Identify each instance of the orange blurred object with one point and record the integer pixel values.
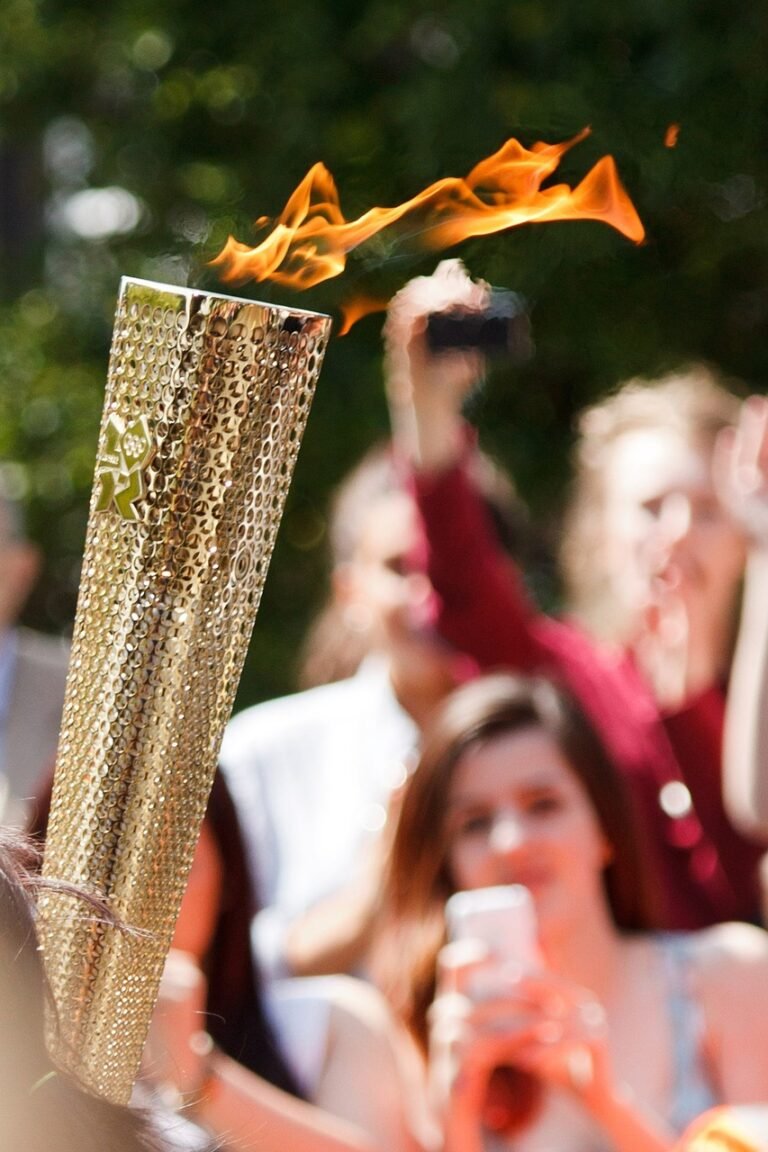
(310, 240)
(727, 1129)
(671, 135)
(357, 307)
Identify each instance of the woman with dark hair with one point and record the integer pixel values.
(620, 1035)
(42, 1107)
(213, 1045)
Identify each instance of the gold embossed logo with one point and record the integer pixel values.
(121, 466)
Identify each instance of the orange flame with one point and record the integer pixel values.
(671, 135)
(310, 240)
(356, 308)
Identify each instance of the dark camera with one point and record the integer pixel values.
(501, 329)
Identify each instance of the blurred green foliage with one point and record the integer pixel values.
(208, 115)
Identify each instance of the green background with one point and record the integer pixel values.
(210, 114)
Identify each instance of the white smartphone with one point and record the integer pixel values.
(503, 917)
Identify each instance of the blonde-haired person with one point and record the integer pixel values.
(642, 455)
(655, 562)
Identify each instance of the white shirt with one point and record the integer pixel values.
(311, 776)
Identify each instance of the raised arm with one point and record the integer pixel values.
(482, 609)
(426, 390)
(743, 467)
(367, 1099)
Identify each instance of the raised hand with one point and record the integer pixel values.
(425, 390)
(741, 468)
(489, 1016)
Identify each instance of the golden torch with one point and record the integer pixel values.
(207, 398)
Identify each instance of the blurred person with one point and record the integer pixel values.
(312, 773)
(618, 1035)
(654, 563)
(42, 1107)
(356, 1095)
(33, 670)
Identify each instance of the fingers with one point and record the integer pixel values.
(480, 1013)
(753, 434)
(740, 467)
(479, 999)
(580, 1066)
(410, 360)
(570, 1051)
(480, 1038)
(458, 961)
(449, 286)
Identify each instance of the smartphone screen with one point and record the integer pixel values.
(503, 918)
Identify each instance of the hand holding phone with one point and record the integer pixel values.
(500, 329)
(502, 917)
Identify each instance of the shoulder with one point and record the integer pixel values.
(364, 1032)
(730, 963)
(371, 1055)
(355, 1000)
(728, 944)
(730, 977)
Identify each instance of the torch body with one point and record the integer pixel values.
(207, 398)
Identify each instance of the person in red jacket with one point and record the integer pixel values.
(656, 564)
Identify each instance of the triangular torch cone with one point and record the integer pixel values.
(207, 399)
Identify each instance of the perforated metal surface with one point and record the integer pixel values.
(207, 398)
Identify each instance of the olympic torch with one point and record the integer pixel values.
(206, 402)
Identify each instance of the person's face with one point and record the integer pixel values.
(396, 602)
(665, 529)
(518, 814)
(395, 606)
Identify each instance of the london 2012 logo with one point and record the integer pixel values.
(122, 464)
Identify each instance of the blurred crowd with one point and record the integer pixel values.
(611, 764)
